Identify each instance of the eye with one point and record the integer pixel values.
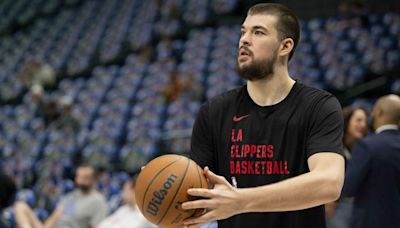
(242, 32)
(258, 33)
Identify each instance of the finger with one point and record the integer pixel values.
(200, 192)
(197, 204)
(214, 178)
(191, 226)
(207, 217)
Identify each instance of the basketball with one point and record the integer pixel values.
(162, 187)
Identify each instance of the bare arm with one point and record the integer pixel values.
(321, 185)
(52, 219)
(25, 217)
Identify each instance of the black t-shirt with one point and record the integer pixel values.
(251, 145)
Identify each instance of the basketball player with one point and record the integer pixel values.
(275, 143)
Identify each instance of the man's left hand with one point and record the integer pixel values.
(223, 201)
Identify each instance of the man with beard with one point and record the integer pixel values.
(272, 148)
(81, 208)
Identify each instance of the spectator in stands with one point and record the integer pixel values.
(338, 213)
(37, 104)
(37, 73)
(7, 193)
(128, 215)
(83, 207)
(47, 109)
(174, 87)
(194, 90)
(66, 121)
(51, 112)
(373, 173)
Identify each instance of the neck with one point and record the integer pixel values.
(271, 90)
(387, 125)
(85, 192)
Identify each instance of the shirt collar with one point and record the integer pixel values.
(386, 127)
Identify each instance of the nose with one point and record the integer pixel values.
(245, 39)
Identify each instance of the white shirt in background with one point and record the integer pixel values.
(126, 217)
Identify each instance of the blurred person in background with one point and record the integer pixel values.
(338, 213)
(66, 121)
(46, 109)
(84, 207)
(7, 193)
(373, 173)
(37, 101)
(36, 72)
(128, 215)
(51, 112)
(175, 87)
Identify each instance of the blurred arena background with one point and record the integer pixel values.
(115, 83)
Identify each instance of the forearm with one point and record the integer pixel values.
(50, 222)
(53, 218)
(319, 186)
(25, 217)
(297, 193)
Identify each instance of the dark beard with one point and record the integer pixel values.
(257, 69)
(84, 188)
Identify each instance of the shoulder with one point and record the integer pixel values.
(97, 196)
(316, 101)
(313, 95)
(225, 98)
(221, 102)
(73, 194)
(383, 137)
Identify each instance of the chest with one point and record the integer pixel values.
(79, 209)
(260, 147)
(287, 125)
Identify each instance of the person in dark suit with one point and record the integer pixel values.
(373, 173)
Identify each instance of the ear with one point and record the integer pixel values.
(286, 47)
(379, 113)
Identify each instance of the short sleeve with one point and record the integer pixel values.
(202, 142)
(100, 211)
(326, 127)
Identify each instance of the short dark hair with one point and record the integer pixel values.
(7, 191)
(288, 25)
(133, 175)
(132, 182)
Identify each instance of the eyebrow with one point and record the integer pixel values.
(257, 27)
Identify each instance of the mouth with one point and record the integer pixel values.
(361, 131)
(244, 54)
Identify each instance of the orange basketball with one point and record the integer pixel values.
(161, 188)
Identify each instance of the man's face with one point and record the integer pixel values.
(258, 47)
(84, 178)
